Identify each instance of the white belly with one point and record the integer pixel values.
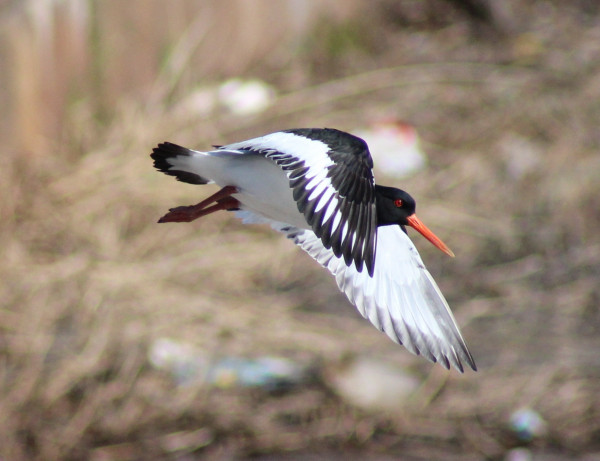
(264, 187)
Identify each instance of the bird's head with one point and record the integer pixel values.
(394, 206)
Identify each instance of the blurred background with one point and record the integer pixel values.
(121, 339)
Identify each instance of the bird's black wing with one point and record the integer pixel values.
(331, 176)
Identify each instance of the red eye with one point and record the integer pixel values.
(398, 202)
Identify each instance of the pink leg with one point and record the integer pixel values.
(190, 213)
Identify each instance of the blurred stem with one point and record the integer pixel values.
(97, 65)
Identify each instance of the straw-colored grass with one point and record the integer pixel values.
(89, 280)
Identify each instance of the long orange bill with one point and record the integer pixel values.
(417, 225)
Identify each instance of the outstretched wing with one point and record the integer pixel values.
(401, 298)
(330, 174)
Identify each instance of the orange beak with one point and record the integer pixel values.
(417, 225)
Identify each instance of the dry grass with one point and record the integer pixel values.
(89, 280)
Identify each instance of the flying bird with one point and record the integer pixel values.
(316, 186)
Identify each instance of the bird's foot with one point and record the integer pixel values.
(192, 212)
(180, 214)
(223, 199)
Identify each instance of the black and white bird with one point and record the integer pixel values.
(316, 185)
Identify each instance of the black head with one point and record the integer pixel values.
(394, 206)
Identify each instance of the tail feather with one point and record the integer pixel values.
(166, 156)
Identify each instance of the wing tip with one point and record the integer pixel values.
(471, 362)
(466, 357)
(453, 358)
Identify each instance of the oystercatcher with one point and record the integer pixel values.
(316, 185)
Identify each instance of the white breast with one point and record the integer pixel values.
(264, 187)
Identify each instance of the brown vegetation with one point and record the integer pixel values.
(509, 116)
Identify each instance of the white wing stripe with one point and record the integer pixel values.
(331, 208)
(336, 221)
(313, 152)
(344, 231)
(327, 200)
(317, 189)
(313, 182)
